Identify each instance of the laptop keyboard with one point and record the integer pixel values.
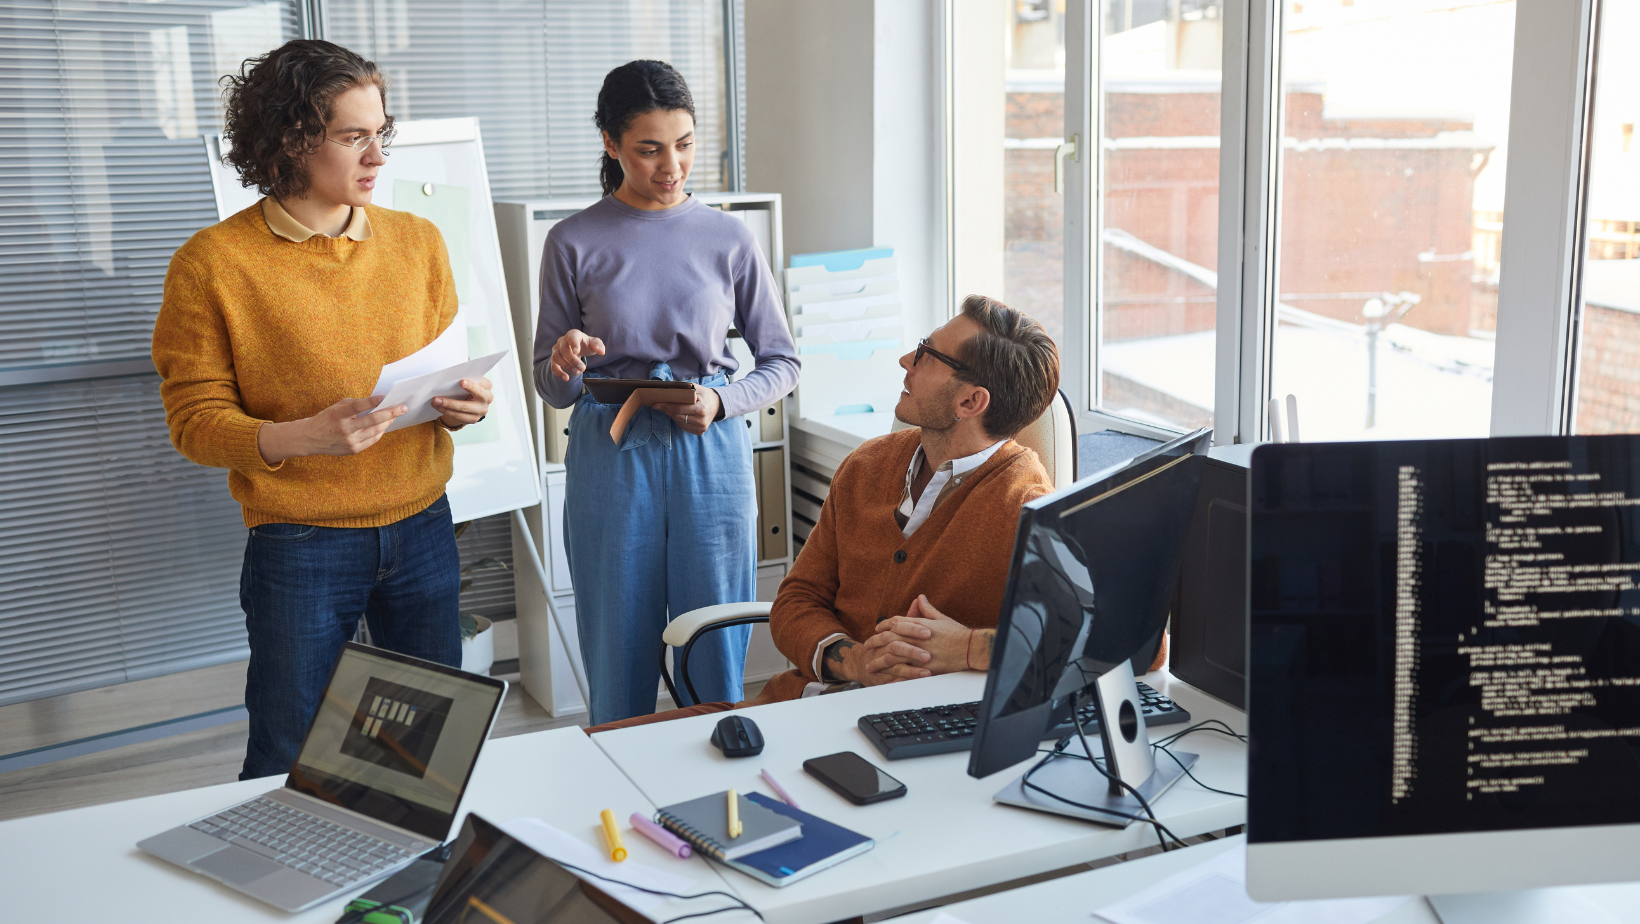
(305, 842)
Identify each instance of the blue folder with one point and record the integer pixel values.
(822, 845)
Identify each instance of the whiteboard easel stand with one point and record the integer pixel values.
(552, 609)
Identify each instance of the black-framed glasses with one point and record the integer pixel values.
(360, 145)
(923, 347)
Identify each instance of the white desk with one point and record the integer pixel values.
(84, 863)
(946, 835)
(1075, 898)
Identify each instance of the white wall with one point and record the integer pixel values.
(842, 119)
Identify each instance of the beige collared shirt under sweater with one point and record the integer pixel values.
(281, 223)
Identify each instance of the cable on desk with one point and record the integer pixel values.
(1162, 831)
(738, 903)
(1207, 725)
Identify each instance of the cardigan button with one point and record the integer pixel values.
(899, 557)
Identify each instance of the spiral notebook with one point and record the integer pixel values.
(822, 846)
(704, 823)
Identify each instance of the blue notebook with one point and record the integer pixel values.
(822, 845)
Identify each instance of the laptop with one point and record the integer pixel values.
(376, 784)
(492, 878)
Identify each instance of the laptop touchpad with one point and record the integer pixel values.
(237, 866)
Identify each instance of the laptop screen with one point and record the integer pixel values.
(396, 738)
(491, 878)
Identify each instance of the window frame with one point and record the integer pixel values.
(1539, 322)
(1539, 298)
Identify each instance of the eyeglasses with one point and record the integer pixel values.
(923, 347)
(385, 137)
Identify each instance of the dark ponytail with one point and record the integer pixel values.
(629, 91)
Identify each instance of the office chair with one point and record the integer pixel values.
(1052, 437)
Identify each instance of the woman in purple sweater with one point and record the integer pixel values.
(647, 284)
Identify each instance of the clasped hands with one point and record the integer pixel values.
(921, 643)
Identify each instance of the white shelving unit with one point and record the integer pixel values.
(543, 662)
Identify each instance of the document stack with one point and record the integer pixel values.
(845, 309)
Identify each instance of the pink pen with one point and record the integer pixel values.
(779, 790)
(669, 842)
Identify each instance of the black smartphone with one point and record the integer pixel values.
(854, 778)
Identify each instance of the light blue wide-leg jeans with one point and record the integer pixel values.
(662, 524)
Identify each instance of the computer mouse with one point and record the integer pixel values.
(737, 736)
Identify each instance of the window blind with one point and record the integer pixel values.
(102, 173)
(119, 559)
(530, 73)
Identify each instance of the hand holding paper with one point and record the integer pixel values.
(418, 393)
(434, 371)
(348, 427)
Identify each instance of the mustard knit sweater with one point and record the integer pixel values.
(255, 328)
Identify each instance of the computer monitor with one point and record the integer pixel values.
(1087, 599)
(1444, 676)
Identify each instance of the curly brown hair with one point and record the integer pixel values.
(277, 107)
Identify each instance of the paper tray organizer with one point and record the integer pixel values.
(846, 317)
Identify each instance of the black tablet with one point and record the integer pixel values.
(616, 391)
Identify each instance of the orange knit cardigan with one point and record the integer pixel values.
(857, 567)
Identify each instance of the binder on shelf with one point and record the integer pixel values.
(771, 503)
(772, 422)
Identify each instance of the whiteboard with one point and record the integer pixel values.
(436, 169)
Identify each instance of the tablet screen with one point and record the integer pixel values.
(492, 878)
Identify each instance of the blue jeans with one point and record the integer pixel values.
(303, 589)
(662, 524)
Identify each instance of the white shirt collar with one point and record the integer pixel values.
(952, 472)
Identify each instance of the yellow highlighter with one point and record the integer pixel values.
(734, 813)
(612, 836)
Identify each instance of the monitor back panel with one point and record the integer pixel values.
(1210, 610)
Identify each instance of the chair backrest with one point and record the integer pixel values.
(1052, 437)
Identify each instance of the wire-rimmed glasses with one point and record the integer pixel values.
(359, 145)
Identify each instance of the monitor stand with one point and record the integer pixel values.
(1125, 746)
(1533, 906)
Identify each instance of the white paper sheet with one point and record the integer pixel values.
(446, 350)
(1216, 893)
(418, 393)
(565, 848)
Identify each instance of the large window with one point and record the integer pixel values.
(1158, 209)
(1153, 195)
(1608, 389)
(1391, 203)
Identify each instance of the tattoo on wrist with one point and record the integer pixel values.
(834, 656)
(983, 645)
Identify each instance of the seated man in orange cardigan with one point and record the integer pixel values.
(903, 575)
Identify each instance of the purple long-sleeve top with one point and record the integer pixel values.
(663, 286)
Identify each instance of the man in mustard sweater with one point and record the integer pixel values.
(274, 327)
